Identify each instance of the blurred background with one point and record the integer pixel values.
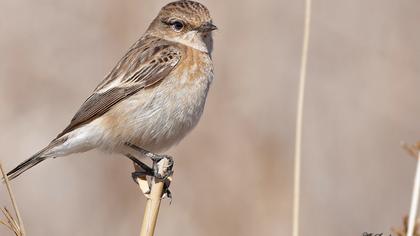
(234, 172)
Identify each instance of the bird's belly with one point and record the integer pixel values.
(156, 118)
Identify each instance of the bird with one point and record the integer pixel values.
(152, 98)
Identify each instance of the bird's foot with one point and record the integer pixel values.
(163, 166)
(162, 169)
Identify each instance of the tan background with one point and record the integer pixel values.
(234, 172)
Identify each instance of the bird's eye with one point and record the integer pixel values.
(177, 26)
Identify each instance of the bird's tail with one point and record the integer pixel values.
(29, 163)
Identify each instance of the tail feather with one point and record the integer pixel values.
(26, 165)
(36, 159)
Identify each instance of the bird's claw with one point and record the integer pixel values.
(163, 166)
(161, 169)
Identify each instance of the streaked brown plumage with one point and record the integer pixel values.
(153, 97)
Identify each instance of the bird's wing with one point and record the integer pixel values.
(147, 62)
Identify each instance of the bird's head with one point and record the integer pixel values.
(186, 22)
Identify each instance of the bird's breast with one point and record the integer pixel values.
(159, 117)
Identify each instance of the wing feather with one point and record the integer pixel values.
(147, 62)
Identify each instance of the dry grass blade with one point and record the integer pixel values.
(11, 222)
(7, 226)
(403, 231)
(299, 119)
(414, 150)
(15, 225)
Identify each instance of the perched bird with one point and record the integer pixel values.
(152, 98)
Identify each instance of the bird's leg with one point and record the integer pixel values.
(145, 170)
(139, 163)
(162, 168)
(140, 175)
(161, 171)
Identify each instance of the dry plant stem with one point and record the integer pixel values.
(152, 208)
(299, 118)
(11, 224)
(12, 198)
(414, 200)
(151, 211)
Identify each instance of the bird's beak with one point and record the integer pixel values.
(207, 27)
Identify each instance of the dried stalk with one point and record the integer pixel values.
(414, 150)
(154, 198)
(299, 118)
(151, 210)
(403, 230)
(16, 226)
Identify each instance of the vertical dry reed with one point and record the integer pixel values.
(299, 118)
(414, 199)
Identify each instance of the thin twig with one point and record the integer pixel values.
(11, 222)
(8, 226)
(299, 118)
(19, 222)
(414, 199)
